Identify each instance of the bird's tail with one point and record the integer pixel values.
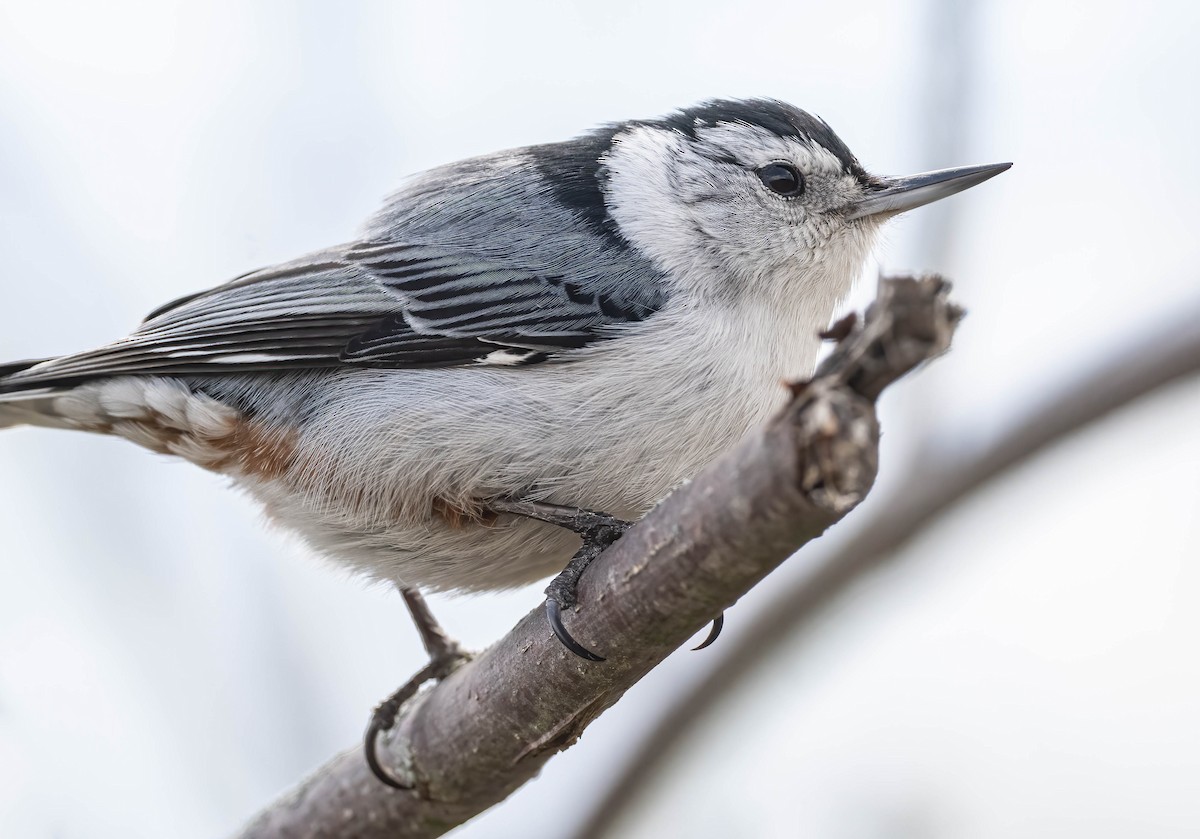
(27, 406)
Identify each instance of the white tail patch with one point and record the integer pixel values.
(162, 415)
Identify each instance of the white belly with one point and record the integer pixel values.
(614, 431)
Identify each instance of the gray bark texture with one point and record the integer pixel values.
(473, 739)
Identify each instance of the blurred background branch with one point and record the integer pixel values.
(1166, 353)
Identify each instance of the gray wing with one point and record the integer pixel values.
(374, 304)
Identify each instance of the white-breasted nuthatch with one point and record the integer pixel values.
(582, 324)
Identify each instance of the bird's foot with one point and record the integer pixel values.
(384, 715)
(598, 531)
(445, 656)
(563, 591)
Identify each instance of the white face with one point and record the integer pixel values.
(701, 210)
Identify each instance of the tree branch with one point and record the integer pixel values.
(489, 727)
(1167, 353)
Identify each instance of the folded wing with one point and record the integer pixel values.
(375, 304)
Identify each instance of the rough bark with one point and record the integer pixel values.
(489, 727)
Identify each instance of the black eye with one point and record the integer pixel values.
(782, 179)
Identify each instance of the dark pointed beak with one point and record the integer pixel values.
(895, 195)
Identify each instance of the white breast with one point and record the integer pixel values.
(613, 431)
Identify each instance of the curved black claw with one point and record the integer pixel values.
(562, 593)
(714, 633)
(384, 718)
(554, 617)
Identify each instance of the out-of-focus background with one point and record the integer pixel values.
(168, 665)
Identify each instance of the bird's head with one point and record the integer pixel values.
(732, 195)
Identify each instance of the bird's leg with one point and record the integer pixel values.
(439, 645)
(598, 531)
(445, 656)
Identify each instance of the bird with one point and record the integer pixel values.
(519, 349)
